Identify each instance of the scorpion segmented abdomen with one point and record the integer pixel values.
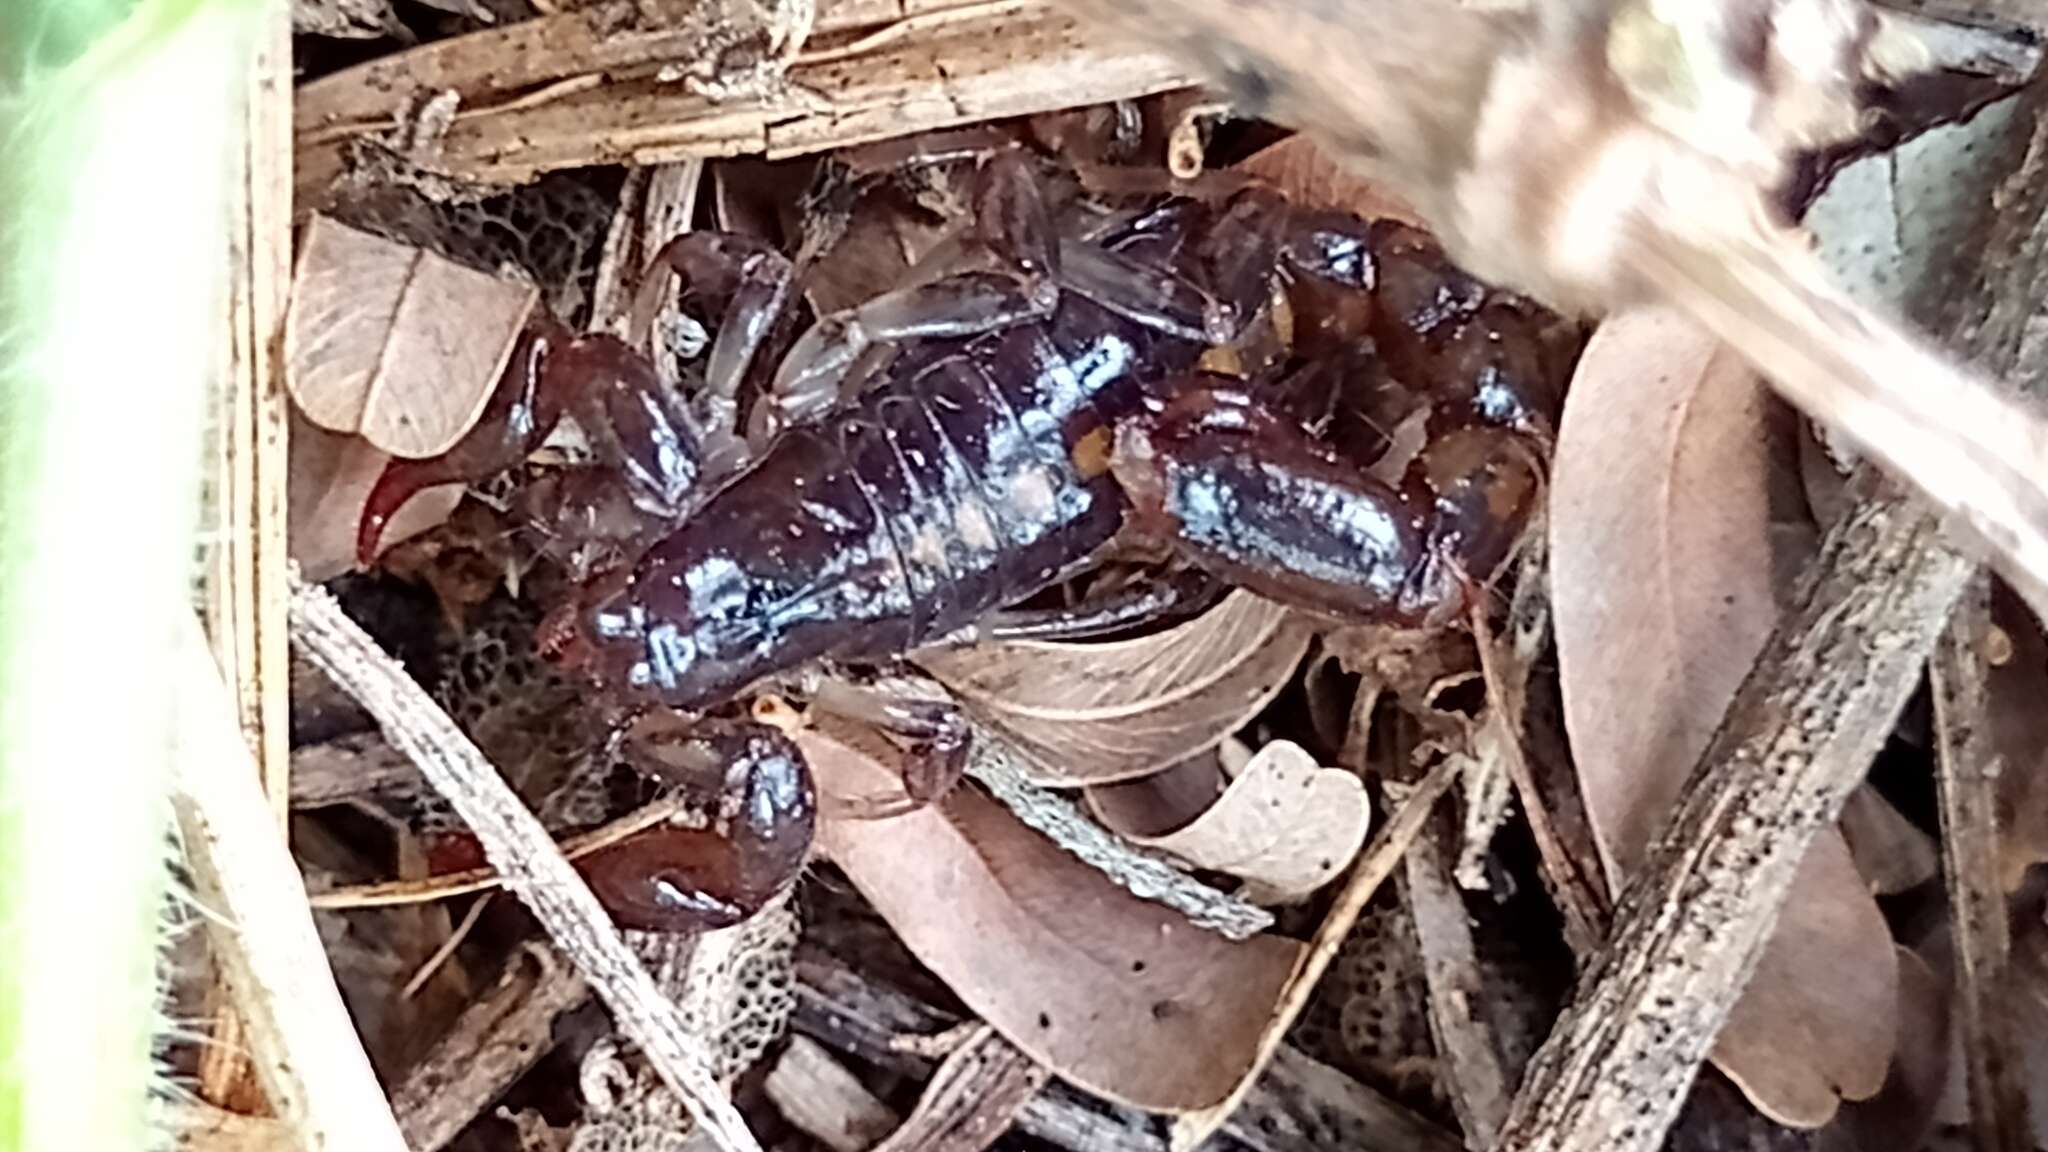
(786, 564)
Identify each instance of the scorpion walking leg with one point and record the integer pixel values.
(754, 282)
(1011, 221)
(1135, 605)
(935, 729)
(964, 305)
(1209, 303)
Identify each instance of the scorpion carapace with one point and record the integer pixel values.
(1313, 406)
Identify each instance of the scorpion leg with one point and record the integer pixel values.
(1135, 605)
(1229, 280)
(1011, 221)
(936, 731)
(752, 280)
(966, 304)
(1255, 499)
(760, 815)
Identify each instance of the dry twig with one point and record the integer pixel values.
(1299, 1105)
(494, 1042)
(1476, 1067)
(1967, 767)
(971, 1099)
(815, 1092)
(870, 71)
(520, 848)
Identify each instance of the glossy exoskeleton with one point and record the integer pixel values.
(1050, 384)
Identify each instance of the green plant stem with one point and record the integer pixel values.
(117, 119)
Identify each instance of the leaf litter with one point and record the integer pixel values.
(1233, 762)
(1662, 549)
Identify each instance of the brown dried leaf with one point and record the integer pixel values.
(394, 342)
(1664, 590)
(1299, 167)
(1891, 852)
(1903, 1114)
(1098, 713)
(331, 476)
(1286, 824)
(1116, 994)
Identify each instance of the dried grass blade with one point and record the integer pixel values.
(516, 843)
(247, 586)
(305, 1048)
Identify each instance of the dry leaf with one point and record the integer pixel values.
(1286, 825)
(331, 477)
(1098, 713)
(1903, 1114)
(1300, 169)
(1115, 994)
(394, 342)
(1891, 852)
(1664, 590)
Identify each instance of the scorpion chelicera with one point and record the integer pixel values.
(1305, 404)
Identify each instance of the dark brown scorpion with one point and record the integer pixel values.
(957, 445)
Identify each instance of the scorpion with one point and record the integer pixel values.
(1305, 404)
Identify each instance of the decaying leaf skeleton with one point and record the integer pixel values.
(1309, 405)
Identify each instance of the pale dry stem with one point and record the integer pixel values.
(246, 585)
(299, 1036)
(519, 846)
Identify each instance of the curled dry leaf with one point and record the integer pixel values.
(1891, 852)
(331, 477)
(1117, 995)
(1299, 167)
(1286, 824)
(1098, 713)
(1663, 583)
(393, 342)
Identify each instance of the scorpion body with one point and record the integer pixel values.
(1368, 449)
(969, 472)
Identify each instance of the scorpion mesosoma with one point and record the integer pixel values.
(957, 445)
